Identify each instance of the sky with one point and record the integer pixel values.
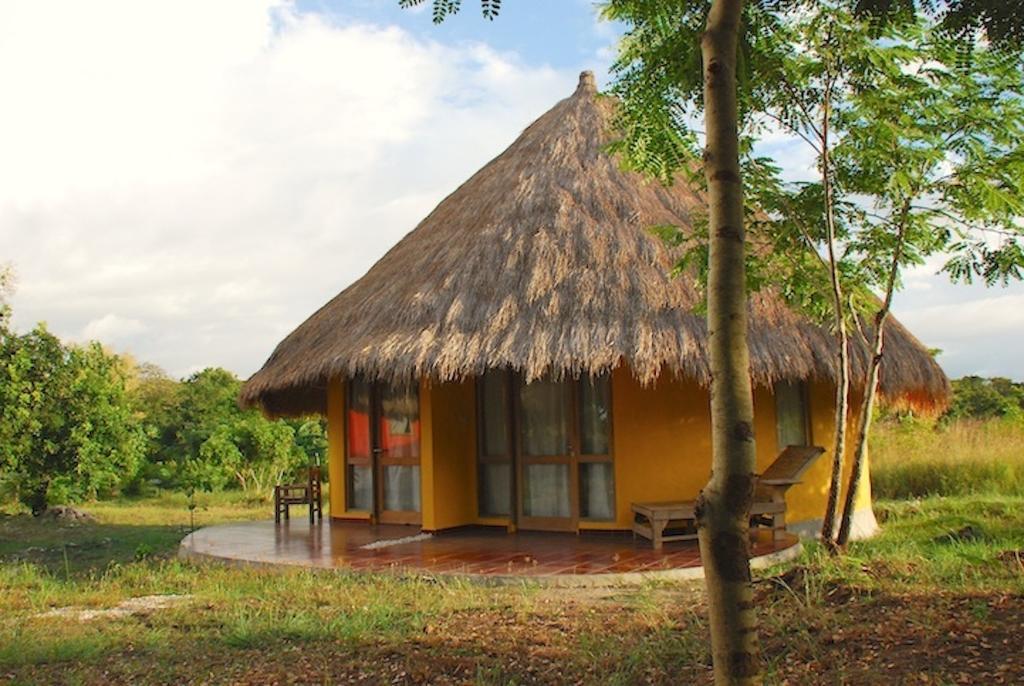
(188, 181)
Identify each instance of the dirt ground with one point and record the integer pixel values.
(607, 636)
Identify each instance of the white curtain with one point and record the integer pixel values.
(402, 488)
(547, 490)
(496, 489)
(596, 490)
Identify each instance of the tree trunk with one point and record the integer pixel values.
(867, 408)
(724, 504)
(843, 339)
(37, 497)
(828, 524)
(866, 411)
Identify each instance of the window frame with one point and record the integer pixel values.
(803, 393)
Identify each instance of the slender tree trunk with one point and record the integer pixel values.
(724, 504)
(842, 338)
(871, 388)
(866, 411)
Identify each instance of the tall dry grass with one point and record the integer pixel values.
(912, 459)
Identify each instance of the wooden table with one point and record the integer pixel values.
(651, 519)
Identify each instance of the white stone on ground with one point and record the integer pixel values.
(140, 605)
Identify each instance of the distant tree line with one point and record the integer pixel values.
(79, 423)
(975, 397)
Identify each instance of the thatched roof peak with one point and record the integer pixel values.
(587, 83)
(542, 261)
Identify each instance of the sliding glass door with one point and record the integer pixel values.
(594, 464)
(554, 437)
(496, 454)
(547, 488)
(383, 451)
(398, 454)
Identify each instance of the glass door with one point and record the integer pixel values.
(382, 456)
(547, 487)
(359, 443)
(495, 451)
(595, 465)
(398, 454)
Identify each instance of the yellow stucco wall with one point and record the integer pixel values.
(661, 441)
(661, 438)
(336, 445)
(449, 474)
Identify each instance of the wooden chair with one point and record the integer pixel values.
(651, 520)
(309, 493)
(769, 507)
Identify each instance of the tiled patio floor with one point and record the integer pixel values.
(477, 552)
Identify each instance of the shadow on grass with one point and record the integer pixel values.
(79, 549)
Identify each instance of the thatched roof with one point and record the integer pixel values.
(543, 261)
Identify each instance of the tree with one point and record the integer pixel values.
(6, 290)
(64, 423)
(154, 397)
(819, 56)
(938, 149)
(8, 396)
(217, 444)
(724, 504)
(977, 398)
(808, 70)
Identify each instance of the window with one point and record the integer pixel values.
(359, 451)
(596, 469)
(791, 414)
(495, 449)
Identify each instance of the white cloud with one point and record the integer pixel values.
(190, 180)
(979, 318)
(112, 328)
(977, 329)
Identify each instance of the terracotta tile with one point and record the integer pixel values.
(469, 551)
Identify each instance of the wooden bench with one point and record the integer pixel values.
(650, 520)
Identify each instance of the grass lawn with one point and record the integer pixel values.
(916, 459)
(914, 605)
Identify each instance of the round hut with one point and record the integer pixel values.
(524, 357)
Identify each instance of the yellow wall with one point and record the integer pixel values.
(662, 439)
(336, 445)
(449, 473)
(661, 442)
